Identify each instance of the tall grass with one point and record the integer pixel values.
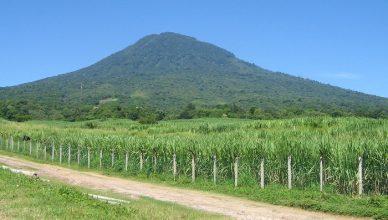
(339, 141)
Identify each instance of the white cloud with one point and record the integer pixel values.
(348, 76)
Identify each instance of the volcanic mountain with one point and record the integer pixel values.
(167, 71)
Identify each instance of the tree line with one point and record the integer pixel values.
(25, 110)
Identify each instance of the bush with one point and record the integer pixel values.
(148, 119)
(91, 125)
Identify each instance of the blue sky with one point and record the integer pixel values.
(344, 43)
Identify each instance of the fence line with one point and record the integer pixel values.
(9, 145)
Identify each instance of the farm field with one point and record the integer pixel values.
(22, 197)
(228, 156)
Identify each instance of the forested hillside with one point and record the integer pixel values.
(176, 76)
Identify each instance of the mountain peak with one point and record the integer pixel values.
(168, 70)
(177, 43)
(173, 34)
(171, 51)
(166, 36)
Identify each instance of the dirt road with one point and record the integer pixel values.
(226, 205)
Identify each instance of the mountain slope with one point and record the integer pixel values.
(167, 71)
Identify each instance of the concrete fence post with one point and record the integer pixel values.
(69, 155)
(193, 168)
(52, 152)
(60, 154)
(360, 179)
(289, 173)
(262, 173)
(113, 158)
(126, 160)
(155, 162)
(78, 156)
(141, 161)
(236, 172)
(214, 169)
(30, 147)
(88, 157)
(11, 143)
(101, 158)
(321, 174)
(174, 166)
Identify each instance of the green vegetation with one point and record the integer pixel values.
(150, 149)
(161, 74)
(26, 198)
(338, 141)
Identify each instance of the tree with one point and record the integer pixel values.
(189, 112)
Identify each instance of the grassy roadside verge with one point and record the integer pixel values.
(22, 197)
(310, 199)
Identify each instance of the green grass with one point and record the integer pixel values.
(375, 206)
(25, 198)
